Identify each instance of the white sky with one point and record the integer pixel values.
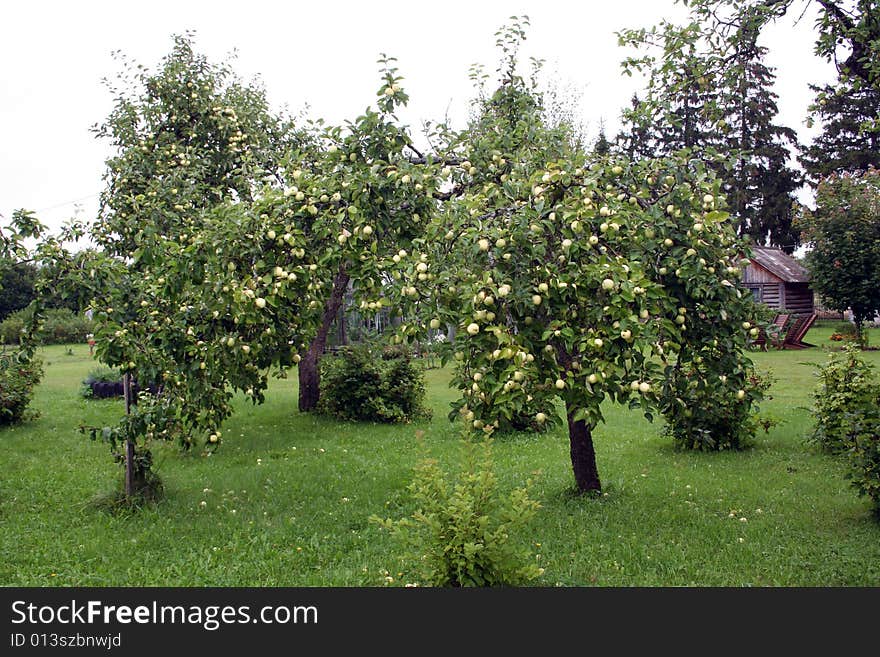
(321, 54)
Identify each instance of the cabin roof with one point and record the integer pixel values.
(780, 264)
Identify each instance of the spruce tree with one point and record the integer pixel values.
(847, 141)
(715, 99)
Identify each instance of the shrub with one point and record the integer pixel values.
(18, 378)
(864, 454)
(848, 419)
(703, 415)
(366, 383)
(845, 390)
(461, 532)
(58, 326)
(12, 327)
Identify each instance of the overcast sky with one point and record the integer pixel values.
(316, 54)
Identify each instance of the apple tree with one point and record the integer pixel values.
(180, 285)
(228, 238)
(579, 278)
(358, 200)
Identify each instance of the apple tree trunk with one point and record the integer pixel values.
(309, 374)
(583, 455)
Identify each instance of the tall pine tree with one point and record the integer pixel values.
(760, 184)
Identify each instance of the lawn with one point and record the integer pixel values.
(286, 500)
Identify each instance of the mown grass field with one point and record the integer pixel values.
(286, 500)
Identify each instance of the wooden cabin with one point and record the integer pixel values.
(779, 281)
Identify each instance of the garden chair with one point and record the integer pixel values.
(776, 331)
(773, 333)
(794, 337)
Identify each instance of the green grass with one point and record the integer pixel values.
(286, 500)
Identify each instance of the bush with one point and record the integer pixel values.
(703, 415)
(846, 388)
(17, 381)
(12, 327)
(59, 326)
(864, 455)
(370, 384)
(460, 533)
(848, 419)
